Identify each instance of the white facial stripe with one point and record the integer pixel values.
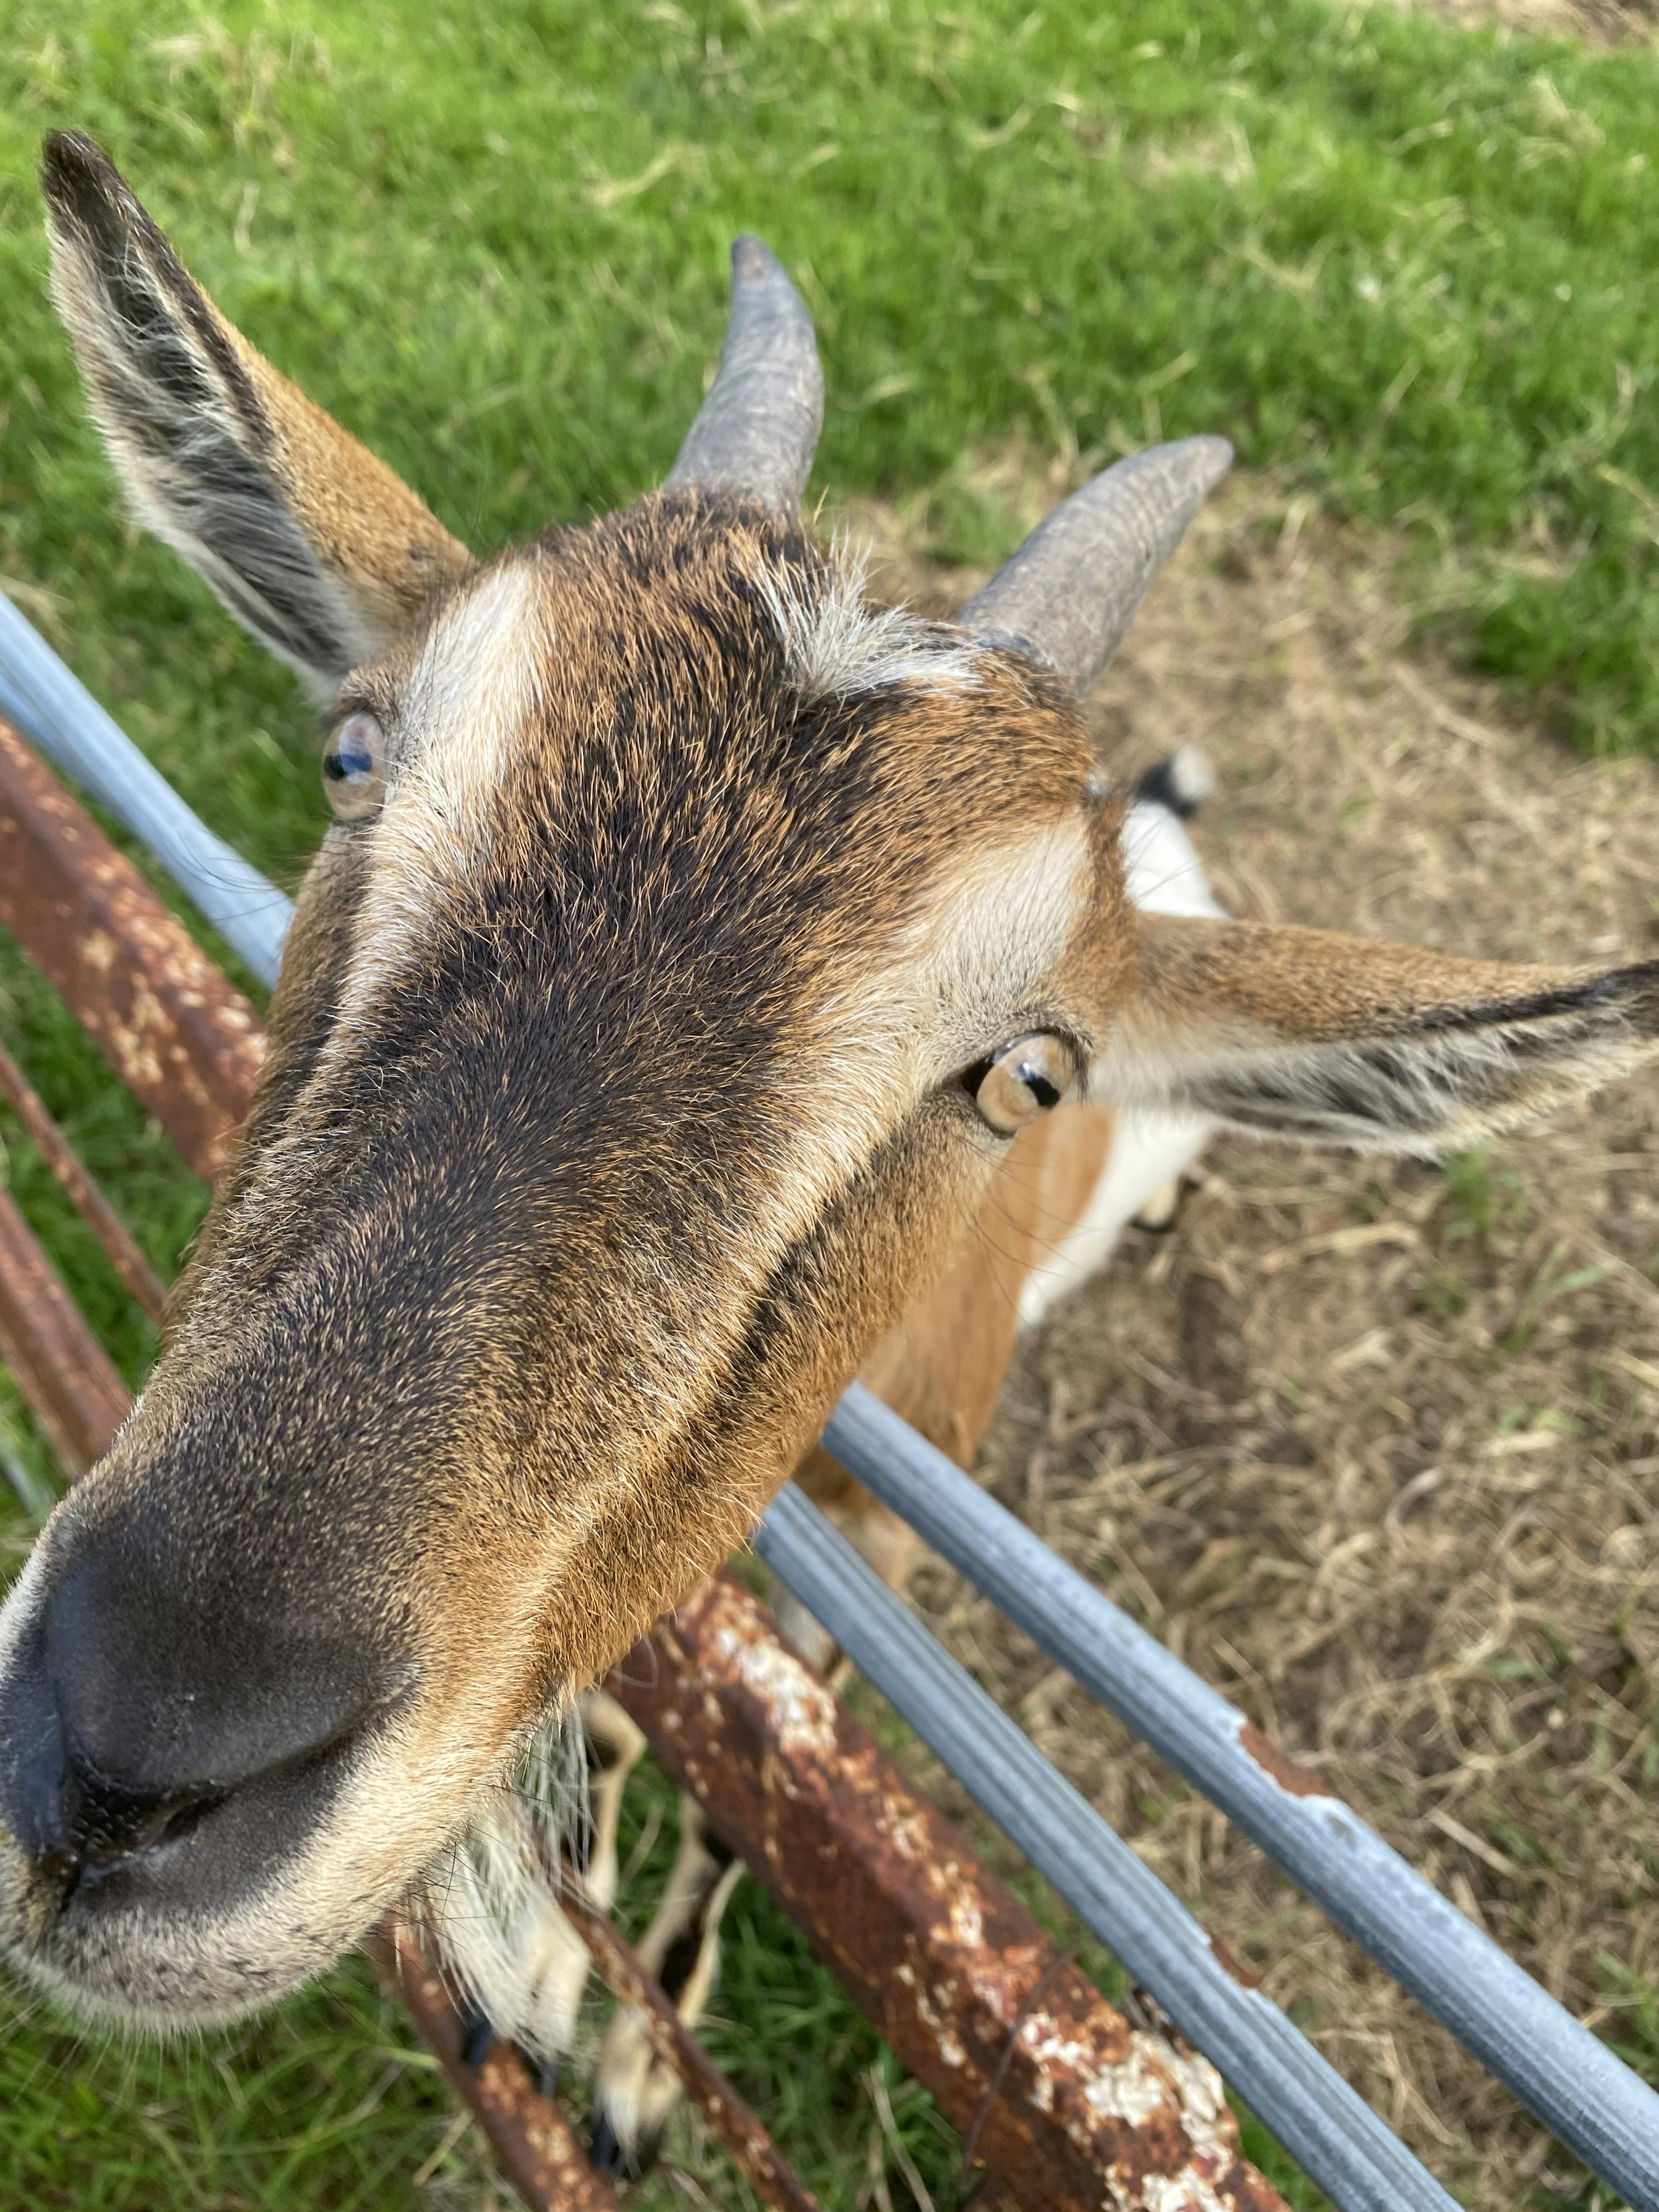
(472, 689)
(1001, 925)
(978, 957)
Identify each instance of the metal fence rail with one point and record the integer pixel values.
(1586, 2096)
(1333, 2133)
(58, 713)
(1591, 2101)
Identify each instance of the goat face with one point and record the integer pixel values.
(616, 1100)
(638, 1055)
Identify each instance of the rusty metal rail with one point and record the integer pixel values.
(186, 1043)
(1047, 2081)
(48, 701)
(89, 1202)
(539, 2151)
(1323, 2121)
(1587, 2097)
(1066, 2106)
(752, 2150)
(64, 1373)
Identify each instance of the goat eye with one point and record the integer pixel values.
(1024, 1081)
(354, 768)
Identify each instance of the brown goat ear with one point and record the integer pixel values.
(307, 539)
(1306, 1035)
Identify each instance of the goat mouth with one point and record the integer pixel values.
(113, 1957)
(118, 1976)
(209, 1919)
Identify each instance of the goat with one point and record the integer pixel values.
(700, 959)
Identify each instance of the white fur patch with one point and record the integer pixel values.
(1165, 875)
(1161, 861)
(976, 958)
(837, 644)
(494, 1908)
(472, 690)
(1147, 1150)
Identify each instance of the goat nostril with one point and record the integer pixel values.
(58, 1866)
(97, 1827)
(73, 1821)
(122, 1829)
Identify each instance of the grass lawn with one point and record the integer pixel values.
(1410, 265)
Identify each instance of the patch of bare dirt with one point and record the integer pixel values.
(1593, 22)
(1372, 1445)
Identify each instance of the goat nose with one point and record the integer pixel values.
(33, 1765)
(67, 1817)
(154, 1706)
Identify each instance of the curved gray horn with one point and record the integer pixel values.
(759, 426)
(1070, 592)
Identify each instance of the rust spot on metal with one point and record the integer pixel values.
(1229, 1963)
(1294, 1779)
(938, 1955)
(539, 2151)
(64, 1374)
(752, 2148)
(182, 1040)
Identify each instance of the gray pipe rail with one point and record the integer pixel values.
(1326, 2127)
(61, 718)
(1587, 2097)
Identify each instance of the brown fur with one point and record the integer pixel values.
(375, 535)
(942, 1367)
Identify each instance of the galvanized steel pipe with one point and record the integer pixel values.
(57, 712)
(1587, 2097)
(1325, 2125)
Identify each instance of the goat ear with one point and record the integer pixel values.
(307, 539)
(1301, 1034)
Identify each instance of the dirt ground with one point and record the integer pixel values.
(1373, 1445)
(1595, 22)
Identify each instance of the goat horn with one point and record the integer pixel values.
(758, 428)
(1070, 592)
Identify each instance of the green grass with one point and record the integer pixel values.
(331, 2102)
(1409, 266)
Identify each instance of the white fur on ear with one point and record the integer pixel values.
(188, 452)
(1301, 1035)
(309, 540)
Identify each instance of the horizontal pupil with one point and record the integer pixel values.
(342, 767)
(1040, 1087)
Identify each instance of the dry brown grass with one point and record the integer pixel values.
(1373, 1445)
(1594, 22)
